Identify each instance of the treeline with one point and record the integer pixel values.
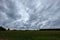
(57, 29)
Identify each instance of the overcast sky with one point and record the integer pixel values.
(30, 14)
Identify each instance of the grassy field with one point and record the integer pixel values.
(29, 35)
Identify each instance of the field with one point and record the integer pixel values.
(29, 35)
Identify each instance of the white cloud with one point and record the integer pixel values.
(29, 14)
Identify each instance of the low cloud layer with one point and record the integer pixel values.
(30, 14)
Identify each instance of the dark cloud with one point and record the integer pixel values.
(30, 14)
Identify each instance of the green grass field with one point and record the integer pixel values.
(29, 35)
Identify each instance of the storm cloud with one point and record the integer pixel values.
(30, 14)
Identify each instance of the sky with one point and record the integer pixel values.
(30, 14)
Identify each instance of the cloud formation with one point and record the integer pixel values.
(30, 14)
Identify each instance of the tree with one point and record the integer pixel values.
(2, 29)
(8, 29)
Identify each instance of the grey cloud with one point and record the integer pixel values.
(30, 14)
